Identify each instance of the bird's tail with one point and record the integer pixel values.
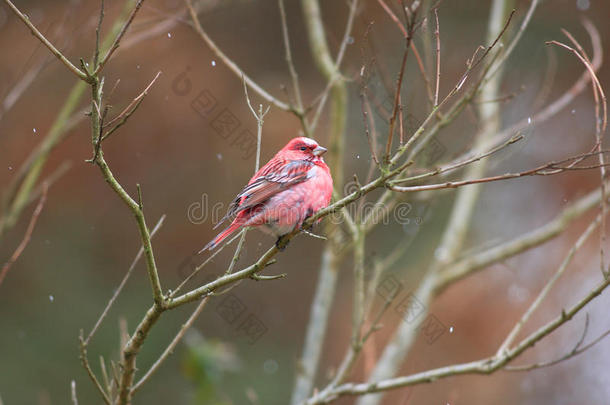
(221, 236)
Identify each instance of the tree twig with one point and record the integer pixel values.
(438, 58)
(487, 365)
(73, 392)
(293, 72)
(117, 40)
(463, 267)
(508, 341)
(170, 348)
(232, 65)
(27, 236)
(600, 128)
(79, 73)
(129, 110)
(118, 290)
(550, 168)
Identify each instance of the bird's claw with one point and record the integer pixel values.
(281, 243)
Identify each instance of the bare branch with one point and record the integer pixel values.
(524, 24)
(118, 290)
(544, 292)
(463, 267)
(73, 393)
(233, 66)
(547, 169)
(454, 233)
(117, 40)
(316, 327)
(98, 29)
(334, 78)
(600, 128)
(438, 58)
(396, 105)
(484, 366)
(170, 348)
(28, 234)
(129, 110)
(454, 166)
(553, 108)
(293, 72)
(578, 349)
(79, 73)
(85, 362)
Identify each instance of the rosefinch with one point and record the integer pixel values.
(292, 186)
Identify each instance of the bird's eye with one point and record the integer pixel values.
(303, 148)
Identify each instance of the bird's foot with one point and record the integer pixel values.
(281, 243)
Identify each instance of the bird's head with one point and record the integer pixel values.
(303, 148)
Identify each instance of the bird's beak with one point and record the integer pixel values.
(319, 151)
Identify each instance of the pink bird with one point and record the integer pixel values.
(292, 186)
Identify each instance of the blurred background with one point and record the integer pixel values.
(189, 169)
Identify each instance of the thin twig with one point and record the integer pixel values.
(237, 254)
(484, 366)
(107, 381)
(85, 362)
(73, 392)
(454, 166)
(129, 110)
(293, 72)
(473, 63)
(321, 305)
(397, 91)
(118, 290)
(98, 29)
(481, 260)
(576, 351)
(547, 169)
(359, 287)
(438, 58)
(392, 16)
(336, 76)
(232, 65)
(28, 234)
(544, 292)
(202, 265)
(170, 348)
(416, 54)
(600, 128)
(553, 108)
(524, 24)
(79, 73)
(368, 121)
(119, 37)
(19, 190)
(454, 233)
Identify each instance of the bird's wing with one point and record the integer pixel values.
(274, 177)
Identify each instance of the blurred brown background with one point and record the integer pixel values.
(86, 239)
